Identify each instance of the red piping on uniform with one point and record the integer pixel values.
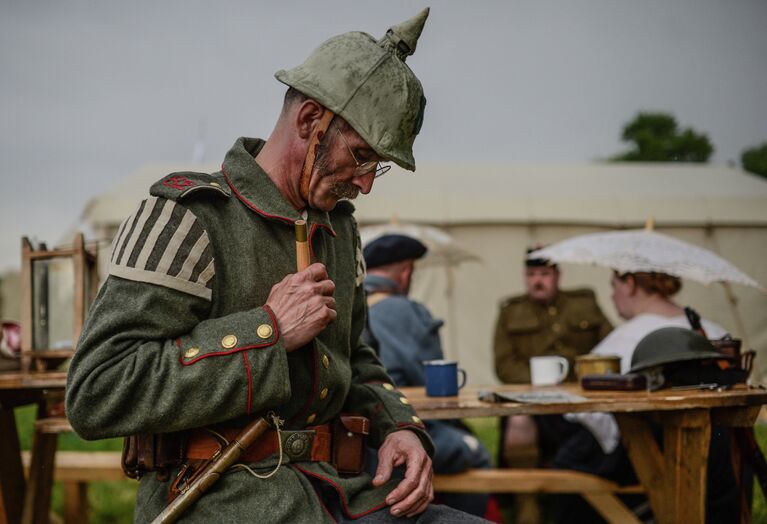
(249, 204)
(222, 353)
(237, 350)
(250, 379)
(311, 246)
(329, 229)
(403, 425)
(311, 234)
(340, 494)
(322, 502)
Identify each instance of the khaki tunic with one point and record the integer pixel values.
(179, 338)
(572, 325)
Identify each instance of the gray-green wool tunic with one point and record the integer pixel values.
(172, 341)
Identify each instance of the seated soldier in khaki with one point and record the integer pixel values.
(544, 321)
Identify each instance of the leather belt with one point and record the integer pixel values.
(311, 444)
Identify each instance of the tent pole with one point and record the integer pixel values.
(733, 301)
(451, 329)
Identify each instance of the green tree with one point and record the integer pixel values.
(656, 137)
(754, 159)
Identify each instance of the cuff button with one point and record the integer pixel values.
(191, 352)
(264, 331)
(229, 341)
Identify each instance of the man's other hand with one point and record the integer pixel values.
(303, 304)
(415, 492)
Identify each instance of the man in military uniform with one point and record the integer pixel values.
(406, 335)
(544, 321)
(203, 323)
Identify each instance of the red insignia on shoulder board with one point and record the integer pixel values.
(178, 182)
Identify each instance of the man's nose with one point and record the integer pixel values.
(364, 182)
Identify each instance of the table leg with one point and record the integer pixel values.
(686, 441)
(37, 501)
(675, 479)
(646, 458)
(12, 484)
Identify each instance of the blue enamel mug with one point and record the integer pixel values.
(442, 378)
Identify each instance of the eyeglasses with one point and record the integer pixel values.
(364, 168)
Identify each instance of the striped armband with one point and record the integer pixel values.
(163, 243)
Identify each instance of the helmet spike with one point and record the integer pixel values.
(402, 39)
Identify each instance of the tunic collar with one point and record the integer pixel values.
(255, 189)
(381, 284)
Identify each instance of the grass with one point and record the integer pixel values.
(112, 502)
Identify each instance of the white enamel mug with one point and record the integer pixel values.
(549, 370)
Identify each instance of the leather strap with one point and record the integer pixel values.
(311, 153)
(202, 445)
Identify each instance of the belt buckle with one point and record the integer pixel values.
(297, 445)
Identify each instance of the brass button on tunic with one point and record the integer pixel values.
(264, 331)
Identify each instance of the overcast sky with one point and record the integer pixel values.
(91, 91)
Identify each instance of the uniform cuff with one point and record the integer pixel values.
(253, 329)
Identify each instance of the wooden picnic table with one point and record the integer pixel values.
(22, 501)
(674, 478)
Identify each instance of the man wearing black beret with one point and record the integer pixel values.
(405, 334)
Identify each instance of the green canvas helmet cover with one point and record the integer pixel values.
(367, 83)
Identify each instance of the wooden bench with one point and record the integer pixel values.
(599, 492)
(75, 469)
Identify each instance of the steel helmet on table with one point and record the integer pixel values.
(368, 84)
(669, 345)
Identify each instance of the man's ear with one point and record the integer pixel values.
(307, 116)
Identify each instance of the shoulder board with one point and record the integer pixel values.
(345, 207)
(177, 186)
(580, 293)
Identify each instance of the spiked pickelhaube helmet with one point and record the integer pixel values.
(368, 84)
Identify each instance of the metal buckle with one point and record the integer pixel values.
(297, 445)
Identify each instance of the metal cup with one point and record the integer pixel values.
(597, 365)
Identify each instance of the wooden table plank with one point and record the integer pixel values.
(467, 403)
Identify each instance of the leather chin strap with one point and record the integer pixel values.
(311, 154)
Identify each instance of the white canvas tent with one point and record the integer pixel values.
(498, 210)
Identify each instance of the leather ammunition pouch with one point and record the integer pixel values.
(159, 452)
(349, 434)
(342, 443)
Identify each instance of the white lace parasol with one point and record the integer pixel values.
(646, 250)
